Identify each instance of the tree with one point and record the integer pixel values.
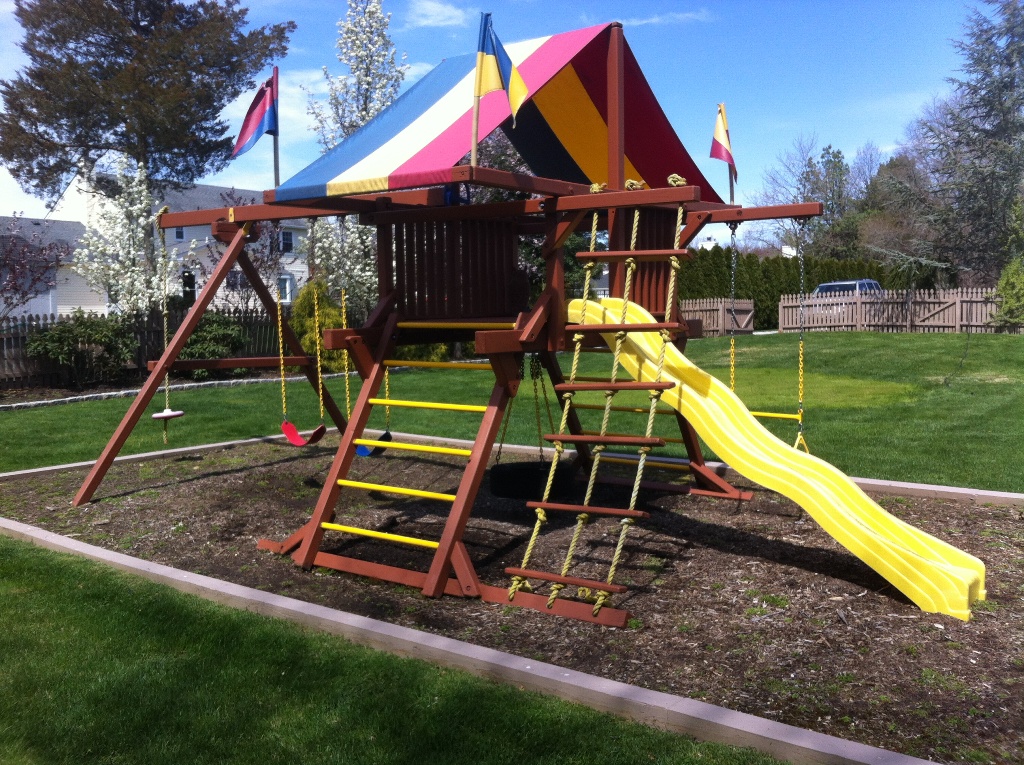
(975, 143)
(898, 225)
(144, 78)
(28, 265)
(374, 79)
(116, 255)
(803, 177)
(341, 251)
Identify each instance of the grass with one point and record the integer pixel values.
(103, 667)
(913, 407)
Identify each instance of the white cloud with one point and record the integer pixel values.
(434, 13)
(416, 71)
(662, 19)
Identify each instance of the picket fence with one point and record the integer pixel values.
(966, 309)
(18, 370)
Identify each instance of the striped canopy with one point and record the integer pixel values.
(561, 131)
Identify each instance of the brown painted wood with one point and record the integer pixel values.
(152, 384)
(291, 340)
(469, 486)
(581, 438)
(620, 512)
(607, 386)
(573, 581)
(328, 499)
(638, 255)
(572, 609)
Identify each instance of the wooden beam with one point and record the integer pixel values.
(152, 384)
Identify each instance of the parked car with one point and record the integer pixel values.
(826, 300)
(861, 287)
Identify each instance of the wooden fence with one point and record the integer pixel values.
(18, 370)
(716, 315)
(957, 310)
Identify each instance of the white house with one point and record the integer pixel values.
(71, 215)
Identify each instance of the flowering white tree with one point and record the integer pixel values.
(117, 254)
(341, 251)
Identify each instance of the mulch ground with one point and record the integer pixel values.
(749, 605)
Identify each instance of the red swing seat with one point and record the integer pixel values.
(294, 437)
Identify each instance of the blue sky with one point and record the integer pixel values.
(847, 72)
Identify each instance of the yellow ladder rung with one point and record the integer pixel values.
(413, 447)
(396, 490)
(474, 366)
(649, 463)
(456, 325)
(663, 438)
(428, 405)
(381, 535)
(633, 409)
(777, 415)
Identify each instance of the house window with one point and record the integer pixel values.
(286, 286)
(286, 241)
(236, 281)
(188, 287)
(179, 234)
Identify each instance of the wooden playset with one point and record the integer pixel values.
(450, 272)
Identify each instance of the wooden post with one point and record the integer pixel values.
(616, 152)
(152, 384)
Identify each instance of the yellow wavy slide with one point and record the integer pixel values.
(933, 574)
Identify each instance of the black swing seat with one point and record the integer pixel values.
(296, 439)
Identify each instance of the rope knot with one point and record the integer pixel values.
(597, 188)
(632, 185)
(676, 180)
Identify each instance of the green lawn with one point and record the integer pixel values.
(101, 667)
(928, 408)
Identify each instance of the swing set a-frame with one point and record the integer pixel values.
(450, 272)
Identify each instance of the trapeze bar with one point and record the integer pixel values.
(661, 465)
(397, 489)
(428, 405)
(477, 367)
(412, 447)
(381, 535)
(777, 415)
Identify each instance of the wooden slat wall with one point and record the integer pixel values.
(456, 269)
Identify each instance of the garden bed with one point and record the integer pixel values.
(746, 605)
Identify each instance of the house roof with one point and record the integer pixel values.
(41, 232)
(561, 130)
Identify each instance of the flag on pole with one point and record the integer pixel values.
(495, 70)
(261, 117)
(721, 146)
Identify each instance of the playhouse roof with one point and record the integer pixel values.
(561, 131)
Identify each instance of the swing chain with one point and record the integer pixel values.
(319, 355)
(280, 354)
(732, 310)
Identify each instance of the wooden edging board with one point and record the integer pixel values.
(697, 719)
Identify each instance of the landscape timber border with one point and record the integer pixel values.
(690, 717)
